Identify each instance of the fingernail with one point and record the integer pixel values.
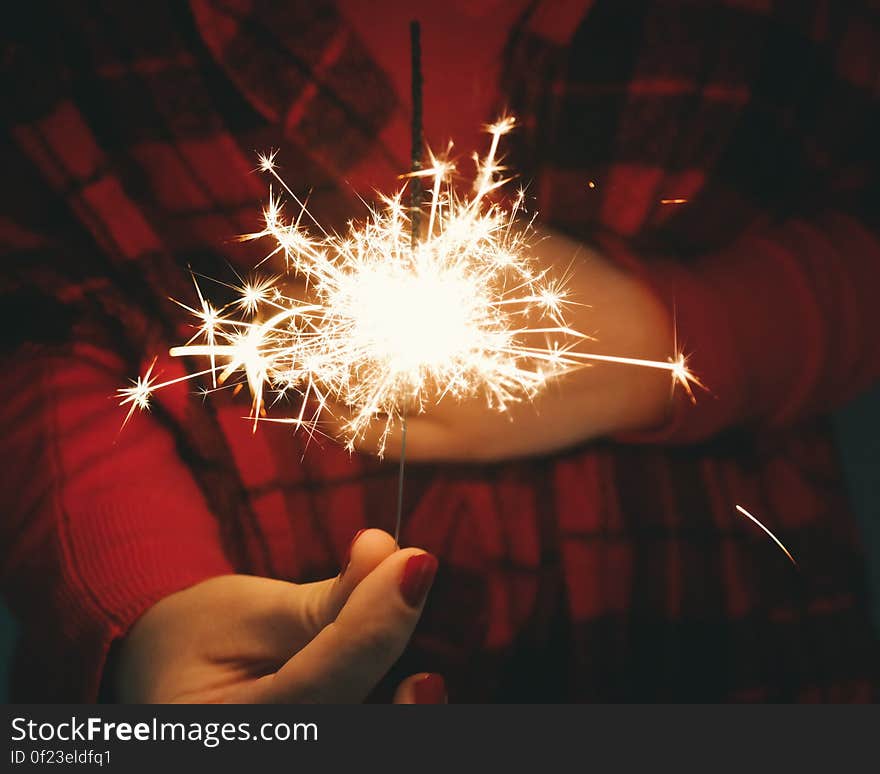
(418, 574)
(347, 560)
(431, 689)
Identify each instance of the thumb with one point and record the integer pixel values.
(314, 605)
(349, 656)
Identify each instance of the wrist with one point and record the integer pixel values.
(627, 319)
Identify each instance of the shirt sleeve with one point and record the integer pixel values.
(98, 524)
(779, 326)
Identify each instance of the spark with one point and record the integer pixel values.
(773, 537)
(267, 161)
(386, 327)
(256, 292)
(138, 395)
(673, 201)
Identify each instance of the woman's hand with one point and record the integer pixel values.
(626, 319)
(243, 639)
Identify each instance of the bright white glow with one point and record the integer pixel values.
(385, 326)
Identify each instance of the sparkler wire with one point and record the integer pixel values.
(415, 41)
(400, 470)
(416, 205)
(395, 316)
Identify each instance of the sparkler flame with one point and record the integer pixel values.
(384, 326)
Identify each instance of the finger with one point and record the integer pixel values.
(349, 656)
(424, 688)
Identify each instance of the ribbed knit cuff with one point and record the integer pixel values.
(116, 563)
(705, 335)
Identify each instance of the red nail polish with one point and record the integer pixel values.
(418, 575)
(431, 689)
(347, 560)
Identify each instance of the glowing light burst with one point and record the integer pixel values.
(385, 326)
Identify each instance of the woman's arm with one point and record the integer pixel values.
(97, 524)
(112, 543)
(778, 326)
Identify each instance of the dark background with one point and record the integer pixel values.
(858, 436)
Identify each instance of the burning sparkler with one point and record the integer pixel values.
(385, 325)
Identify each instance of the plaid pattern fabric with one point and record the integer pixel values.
(615, 571)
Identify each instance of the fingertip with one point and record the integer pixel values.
(408, 571)
(367, 550)
(376, 541)
(423, 688)
(367, 627)
(430, 689)
(417, 577)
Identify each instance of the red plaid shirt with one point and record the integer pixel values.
(615, 571)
